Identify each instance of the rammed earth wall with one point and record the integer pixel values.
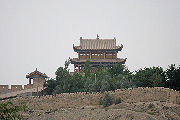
(148, 94)
(82, 99)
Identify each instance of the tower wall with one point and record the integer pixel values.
(28, 86)
(38, 82)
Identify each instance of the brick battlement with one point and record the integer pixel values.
(6, 88)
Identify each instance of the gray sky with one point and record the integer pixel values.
(40, 33)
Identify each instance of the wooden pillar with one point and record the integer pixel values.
(90, 55)
(29, 81)
(78, 68)
(78, 55)
(116, 54)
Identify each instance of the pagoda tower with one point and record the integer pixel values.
(97, 51)
(38, 79)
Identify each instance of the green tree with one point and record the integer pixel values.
(77, 81)
(105, 83)
(150, 77)
(117, 69)
(89, 85)
(124, 81)
(63, 78)
(58, 89)
(62, 83)
(173, 77)
(66, 64)
(100, 73)
(87, 68)
(50, 86)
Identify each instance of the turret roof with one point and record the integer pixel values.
(36, 72)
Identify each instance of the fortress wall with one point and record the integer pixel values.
(148, 95)
(129, 95)
(132, 95)
(173, 96)
(37, 82)
(16, 87)
(4, 87)
(82, 99)
(142, 94)
(64, 100)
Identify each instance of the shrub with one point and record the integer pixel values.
(151, 113)
(9, 111)
(106, 100)
(151, 105)
(117, 100)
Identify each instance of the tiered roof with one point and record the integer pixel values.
(97, 44)
(36, 72)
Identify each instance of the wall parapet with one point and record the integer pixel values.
(130, 95)
(13, 88)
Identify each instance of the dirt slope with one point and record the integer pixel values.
(123, 111)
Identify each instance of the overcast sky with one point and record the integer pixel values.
(41, 33)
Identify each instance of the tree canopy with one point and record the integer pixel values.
(115, 77)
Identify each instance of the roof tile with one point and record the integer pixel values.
(97, 44)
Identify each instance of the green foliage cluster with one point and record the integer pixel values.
(108, 100)
(9, 111)
(117, 100)
(151, 105)
(151, 77)
(64, 82)
(157, 77)
(173, 77)
(115, 77)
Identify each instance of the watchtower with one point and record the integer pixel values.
(37, 77)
